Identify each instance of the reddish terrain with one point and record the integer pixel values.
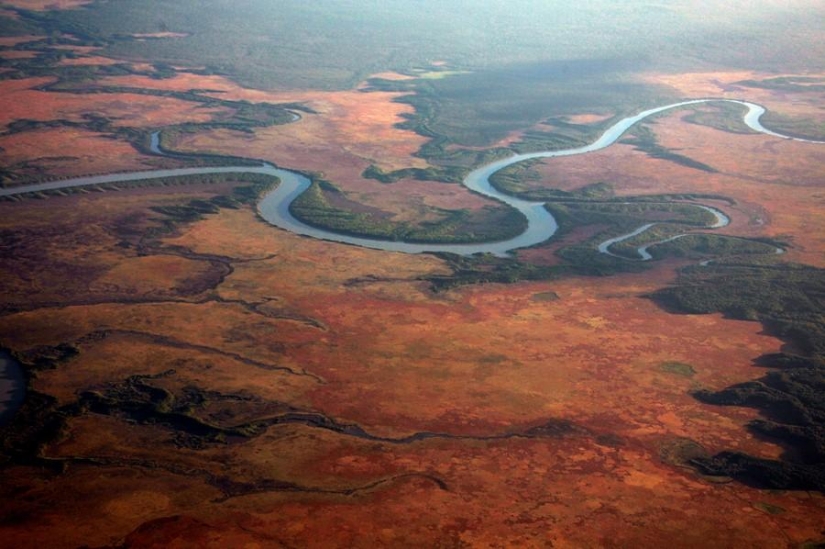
(541, 414)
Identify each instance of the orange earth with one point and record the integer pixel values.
(44, 5)
(22, 100)
(69, 152)
(551, 413)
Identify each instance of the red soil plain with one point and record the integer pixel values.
(551, 413)
(43, 5)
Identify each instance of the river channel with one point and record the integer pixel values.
(274, 206)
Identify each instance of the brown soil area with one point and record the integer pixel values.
(587, 118)
(84, 248)
(44, 5)
(20, 100)
(88, 60)
(359, 124)
(160, 35)
(65, 152)
(15, 54)
(10, 41)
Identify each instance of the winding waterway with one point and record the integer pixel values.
(722, 220)
(274, 208)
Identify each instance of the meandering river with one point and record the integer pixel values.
(274, 208)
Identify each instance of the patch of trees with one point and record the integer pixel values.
(700, 244)
(802, 84)
(726, 117)
(314, 208)
(448, 174)
(486, 268)
(195, 210)
(789, 300)
(517, 180)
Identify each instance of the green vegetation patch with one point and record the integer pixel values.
(804, 128)
(316, 207)
(585, 259)
(486, 268)
(482, 107)
(705, 245)
(543, 297)
(560, 133)
(523, 181)
(597, 205)
(726, 117)
(618, 218)
(782, 294)
(679, 368)
(449, 174)
(769, 508)
(788, 83)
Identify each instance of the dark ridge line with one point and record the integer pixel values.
(191, 95)
(252, 259)
(8, 310)
(230, 488)
(550, 429)
(152, 246)
(140, 410)
(371, 279)
(177, 344)
(253, 307)
(270, 485)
